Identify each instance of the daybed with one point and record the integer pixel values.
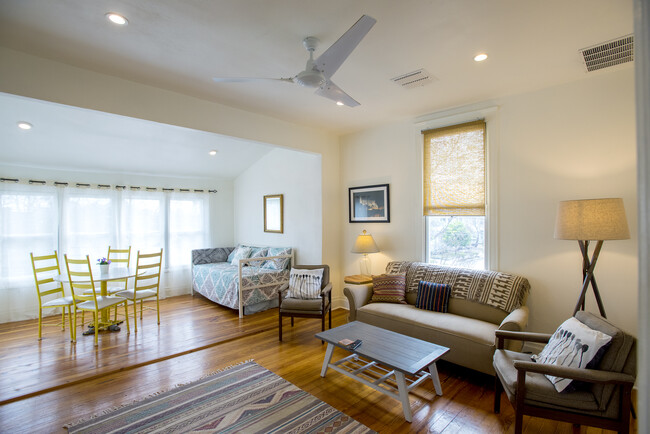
(245, 278)
(481, 302)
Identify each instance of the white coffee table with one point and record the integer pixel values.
(382, 356)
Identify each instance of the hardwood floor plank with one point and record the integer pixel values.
(189, 323)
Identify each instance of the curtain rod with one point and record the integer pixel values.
(106, 186)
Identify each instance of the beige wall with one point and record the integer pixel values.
(571, 141)
(48, 80)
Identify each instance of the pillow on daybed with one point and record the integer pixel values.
(240, 253)
(388, 288)
(257, 252)
(433, 296)
(305, 284)
(573, 344)
(280, 263)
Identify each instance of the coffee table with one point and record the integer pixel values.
(383, 356)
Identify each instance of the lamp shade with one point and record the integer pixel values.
(591, 219)
(365, 244)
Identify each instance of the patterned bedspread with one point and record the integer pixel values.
(219, 282)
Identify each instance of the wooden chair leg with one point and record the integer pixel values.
(292, 321)
(158, 309)
(519, 401)
(498, 388)
(280, 326)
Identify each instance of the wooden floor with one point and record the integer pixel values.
(46, 384)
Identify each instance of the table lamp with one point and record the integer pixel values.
(365, 244)
(591, 220)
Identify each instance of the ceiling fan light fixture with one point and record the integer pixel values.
(480, 57)
(118, 19)
(213, 152)
(24, 125)
(339, 103)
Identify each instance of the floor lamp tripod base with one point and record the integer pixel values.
(588, 266)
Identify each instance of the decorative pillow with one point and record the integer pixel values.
(573, 344)
(257, 252)
(305, 284)
(388, 288)
(433, 296)
(280, 263)
(232, 254)
(241, 253)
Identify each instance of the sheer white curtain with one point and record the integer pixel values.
(85, 221)
(88, 222)
(28, 223)
(188, 228)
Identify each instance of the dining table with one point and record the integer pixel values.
(113, 273)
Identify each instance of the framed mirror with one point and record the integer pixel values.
(273, 213)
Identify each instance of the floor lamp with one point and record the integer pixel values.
(591, 220)
(365, 244)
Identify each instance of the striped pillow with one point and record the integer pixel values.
(433, 296)
(388, 288)
(305, 284)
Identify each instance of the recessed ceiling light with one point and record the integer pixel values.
(117, 19)
(339, 103)
(212, 152)
(480, 57)
(24, 125)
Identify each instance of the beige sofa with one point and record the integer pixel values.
(481, 302)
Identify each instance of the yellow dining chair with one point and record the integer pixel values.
(118, 258)
(81, 279)
(147, 283)
(45, 269)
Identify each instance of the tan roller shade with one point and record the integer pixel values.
(454, 170)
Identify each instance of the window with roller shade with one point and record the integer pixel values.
(454, 195)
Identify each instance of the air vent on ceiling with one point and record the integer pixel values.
(414, 79)
(610, 53)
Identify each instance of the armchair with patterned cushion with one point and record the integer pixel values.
(598, 394)
(307, 307)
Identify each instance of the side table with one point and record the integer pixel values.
(358, 279)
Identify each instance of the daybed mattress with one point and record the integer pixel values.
(219, 282)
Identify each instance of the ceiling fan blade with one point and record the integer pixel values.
(333, 92)
(330, 61)
(248, 79)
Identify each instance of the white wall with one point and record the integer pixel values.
(297, 176)
(566, 142)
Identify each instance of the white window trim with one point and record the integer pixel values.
(457, 116)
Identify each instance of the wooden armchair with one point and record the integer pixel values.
(604, 399)
(316, 308)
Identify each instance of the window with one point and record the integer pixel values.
(85, 221)
(454, 195)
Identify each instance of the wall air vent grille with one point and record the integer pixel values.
(610, 53)
(414, 79)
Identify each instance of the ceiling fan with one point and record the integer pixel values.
(318, 73)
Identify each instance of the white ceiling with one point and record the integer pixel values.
(181, 45)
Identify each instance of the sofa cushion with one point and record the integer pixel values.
(471, 341)
(388, 288)
(433, 296)
(573, 345)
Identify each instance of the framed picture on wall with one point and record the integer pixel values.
(369, 204)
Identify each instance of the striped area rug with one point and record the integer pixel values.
(243, 398)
